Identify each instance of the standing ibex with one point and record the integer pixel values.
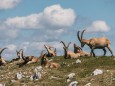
(95, 43)
(69, 54)
(47, 63)
(2, 61)
(51, 52)
(78, 49)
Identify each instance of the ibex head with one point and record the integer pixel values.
(82, 41)
(43, 59)
(64, 46)
(19, 53)
(76, 48)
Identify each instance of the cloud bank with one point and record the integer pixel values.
(7, 4)
(53, 17)
(98, 26)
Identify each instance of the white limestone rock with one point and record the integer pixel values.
(97, 72)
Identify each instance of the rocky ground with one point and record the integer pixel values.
(85, 71)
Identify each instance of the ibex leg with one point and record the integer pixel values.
(110, 50)
(104, 51)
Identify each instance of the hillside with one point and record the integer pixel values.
(57, 77)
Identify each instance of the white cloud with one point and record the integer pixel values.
(11, 47)
(7, 4)
(98, 26)
(52, 17)
(52, 21)
(37, 47)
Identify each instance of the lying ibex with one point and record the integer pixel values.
(2, 61)
(27, 59)
(19, 56)
(78, 49)
(95, 43)
(69, 54)
(47, 63)
(51, 52)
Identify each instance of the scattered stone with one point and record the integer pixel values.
(2, 75)
(24, 72)
(53, 77)
(51, 60)
(113, 58)
(78, 61)
(13, 81)
(97, 72)
(18, 75)
(108, 70)
(71, 75)
(2, 84)
(74, 83)
(64, 63)
(38, 69)
(68, 80)
(36, 76)
(68, 65)
(88, 84)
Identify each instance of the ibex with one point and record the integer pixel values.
(19, 56)
(51, 52)
(27, 59)
(69, 54)
(79, 50)
(95, 43)
(47, 63)
(2, 61)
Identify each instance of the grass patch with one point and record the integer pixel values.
(83, 72)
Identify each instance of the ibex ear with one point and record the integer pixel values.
(68, 44)
(17, 51)
(44, 45)
(55, 50)
(20, 50)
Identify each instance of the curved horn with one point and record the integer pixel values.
(77, 46)
(42, 52)
(68, 44)
(42, 59)
(63, 43)
(82, 34)
(45, 46)
(65, 52)
(78, 36)
(20, 50)
(2, 50)
(23, 56)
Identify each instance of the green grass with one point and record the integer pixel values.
(83, 72)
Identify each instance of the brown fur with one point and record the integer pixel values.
(51, 52)
(49, 64)
(77, 49)
(95, 43)
(27, 59)
(67, 53)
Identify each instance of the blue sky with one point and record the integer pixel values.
(29, 24)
